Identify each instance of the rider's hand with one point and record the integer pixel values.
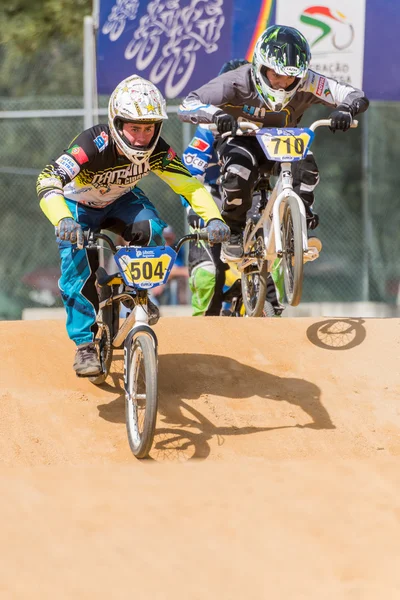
(225, 122)
(218, 231)
(69, 230)
(341, 118)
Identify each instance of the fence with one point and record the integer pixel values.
(357, 200)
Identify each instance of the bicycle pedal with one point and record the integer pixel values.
(310, 255)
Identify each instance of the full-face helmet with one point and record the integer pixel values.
(286, 51)
(139, 101)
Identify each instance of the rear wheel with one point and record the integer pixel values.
(254, 281)
(141, 398)
(292, 246)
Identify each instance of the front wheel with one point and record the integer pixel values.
(254, 281)
(292, 246)
(141, 393)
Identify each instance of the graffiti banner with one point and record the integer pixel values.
(177, 44)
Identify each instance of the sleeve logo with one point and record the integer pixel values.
(321, 85)
(68, 165)
(101, 141)
(171, 154)
(79, 154)
(199, 144)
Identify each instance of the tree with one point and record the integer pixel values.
(41, 47)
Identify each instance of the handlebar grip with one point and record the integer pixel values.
(203, 234)
(354, 124)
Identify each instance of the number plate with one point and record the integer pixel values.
(145, 268)
(285, 145)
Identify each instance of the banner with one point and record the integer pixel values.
(335, 32)
(177, 44)
(182, 44)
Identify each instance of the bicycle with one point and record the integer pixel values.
(140, 268)
(279, 230)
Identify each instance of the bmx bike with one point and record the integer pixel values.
(140, 268)
(279, 230)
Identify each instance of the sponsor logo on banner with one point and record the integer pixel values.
(68, 165)
(320, 87)
(199, 144)
(79, 154)
(335, 30)
(101, 141)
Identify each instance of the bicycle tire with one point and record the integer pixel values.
(141, 379)
(106, 318)
(292, 246)
(254, 286)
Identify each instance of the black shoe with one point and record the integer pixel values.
(232, 251)
(153, 312)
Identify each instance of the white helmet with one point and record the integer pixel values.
(286, 51)
(136, 100)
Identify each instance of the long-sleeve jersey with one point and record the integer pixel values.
(93, 173)
(236, 94)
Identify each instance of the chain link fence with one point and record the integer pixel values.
(357, 200)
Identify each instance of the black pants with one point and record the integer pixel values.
(242, 159)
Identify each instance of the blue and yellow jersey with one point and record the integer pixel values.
(92, 172)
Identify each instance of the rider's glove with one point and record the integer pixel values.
(69, 230)
(218, 231)
(341, 118)
(225, 122)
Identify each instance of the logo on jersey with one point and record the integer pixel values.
(101, 141)
(171, 155)
(68, 165)
(199, 144)
(321, 84)
(79, 154)
(195, 161)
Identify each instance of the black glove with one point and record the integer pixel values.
(69, 230)
(225, 122)
(341, 118)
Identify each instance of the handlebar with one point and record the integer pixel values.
(247, 126)
(91, 237)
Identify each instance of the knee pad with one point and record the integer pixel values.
(235, 186)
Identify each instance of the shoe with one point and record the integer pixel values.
(87, 362)
(153, 311)
(232, 251)
(314, 248)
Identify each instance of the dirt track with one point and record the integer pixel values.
(297, 423)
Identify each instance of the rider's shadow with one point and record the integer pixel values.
(202, 375)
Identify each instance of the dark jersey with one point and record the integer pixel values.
(236, 94)
(93, 173)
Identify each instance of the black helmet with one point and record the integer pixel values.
(286, 51)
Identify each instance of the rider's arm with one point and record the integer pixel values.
(332, 93)
(201, 105)
(58, 173)
(168, 166)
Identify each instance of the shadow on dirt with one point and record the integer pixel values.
(337, 334)
(189, 377)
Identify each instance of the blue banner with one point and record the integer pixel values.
(181, 44)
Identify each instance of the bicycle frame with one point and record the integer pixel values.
(271, 217)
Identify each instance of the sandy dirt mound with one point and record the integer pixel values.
(297, 423)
